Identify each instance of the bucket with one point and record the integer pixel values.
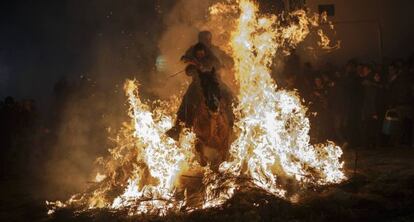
(392, 122)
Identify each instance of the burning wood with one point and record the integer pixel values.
(142, 174)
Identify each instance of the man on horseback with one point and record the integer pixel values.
(202, 66)
(206, 105)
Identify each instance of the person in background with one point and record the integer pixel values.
(398, 98)
(355, 96)
(338, 104)
(319, 107)
(397, 86)
(371, 91)
(304, 81)
(329, 85)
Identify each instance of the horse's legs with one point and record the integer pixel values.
(174, 132)
(199, 148)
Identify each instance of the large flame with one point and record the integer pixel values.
(163, 158)
(272, 127)
(142, 174)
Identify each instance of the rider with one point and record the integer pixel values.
(206, 37)
(202, 65)
(207, 104)
(200, 57)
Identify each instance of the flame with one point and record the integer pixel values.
(163, 157)
(273, 130)
(99, 177)
(272, 133)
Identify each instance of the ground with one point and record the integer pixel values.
(380, 188)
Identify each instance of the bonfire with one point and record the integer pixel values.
(150, 173)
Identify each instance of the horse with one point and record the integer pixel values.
(207, 108)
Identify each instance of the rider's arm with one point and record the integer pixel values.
(188, 55)
(190, 61)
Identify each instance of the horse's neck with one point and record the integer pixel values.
(196, 80)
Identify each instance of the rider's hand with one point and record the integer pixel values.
(192, 62)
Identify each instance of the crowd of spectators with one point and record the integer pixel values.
(362, 104)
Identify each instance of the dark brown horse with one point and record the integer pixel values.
(207, 109)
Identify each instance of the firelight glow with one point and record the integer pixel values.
(142, 174)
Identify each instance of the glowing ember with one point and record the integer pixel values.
(142, 174)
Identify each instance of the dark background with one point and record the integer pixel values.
(44, 41)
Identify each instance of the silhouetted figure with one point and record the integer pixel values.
(206, 105)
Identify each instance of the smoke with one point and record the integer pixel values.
(182, 25)
(90, 107)
(85, 120)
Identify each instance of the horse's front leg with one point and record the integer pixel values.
(199, 148)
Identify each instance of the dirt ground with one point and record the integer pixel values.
(380, 188)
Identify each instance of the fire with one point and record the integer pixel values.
(163, 158)
(272, 127)
(272, 134)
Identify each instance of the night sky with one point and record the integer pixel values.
(43, 41)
